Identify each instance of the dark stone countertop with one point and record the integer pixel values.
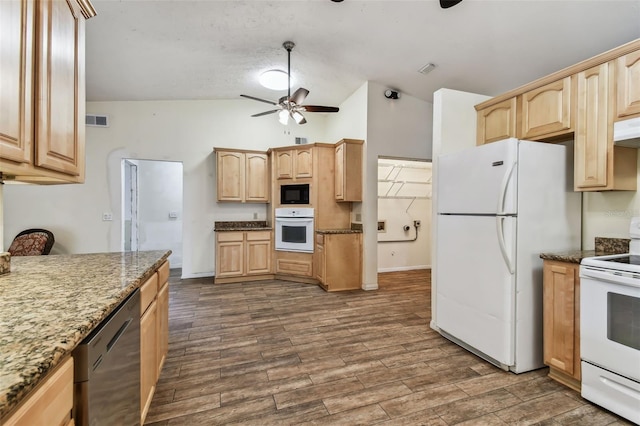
(49, 304)
(241, 225)
(603, 247)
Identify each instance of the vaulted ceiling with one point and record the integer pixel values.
(211, 49)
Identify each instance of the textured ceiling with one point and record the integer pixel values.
(210, 49)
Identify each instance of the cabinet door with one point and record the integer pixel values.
(257, 178)
(148, 355)
(284, 165)
(162, 326)
(258, 253)
(339, 172)
(320, 265)
(561, 317)
(230, 175)
(593, 145)
(628, 81)
(230, 254)
(60, 95)
(303, 163)
(16, 44)
(547, 110)
(497, 122)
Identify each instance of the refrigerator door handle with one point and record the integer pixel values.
(503, 187)
(503, 248)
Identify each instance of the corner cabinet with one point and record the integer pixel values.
(561, 321)
(338, 261)
(497, 122)
(242, 254)
(242, 176)
(42, 129)
(348, 170)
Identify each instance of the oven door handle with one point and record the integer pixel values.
(609, 277)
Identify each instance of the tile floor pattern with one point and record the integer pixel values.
(284, 353)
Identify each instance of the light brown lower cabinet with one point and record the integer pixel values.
(561, 312)
(338, 261)
(242, 254)
(50, 403)
(154, 334)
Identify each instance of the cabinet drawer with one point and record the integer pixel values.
(295, 267)
(148, 292)
(258, 235)
(52, 401)
(224, 237)
(163, 274)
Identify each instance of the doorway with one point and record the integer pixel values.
(152, 193)
(404, 214)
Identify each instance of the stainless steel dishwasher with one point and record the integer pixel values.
(107, 370)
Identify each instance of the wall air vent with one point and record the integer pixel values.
(301, 141)
(94, 120)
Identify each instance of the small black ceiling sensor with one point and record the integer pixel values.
(337, 1)
(391, 94)
(446, 4)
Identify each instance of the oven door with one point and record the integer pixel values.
(294, 234)
(610, 320)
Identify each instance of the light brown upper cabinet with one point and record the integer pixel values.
(598, 164)
(546, 111)
(497, 122)
(348, 170)
(42, 137)
(628, 80)
(242, 176)
(295, 163)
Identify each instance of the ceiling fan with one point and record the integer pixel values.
(290, 106)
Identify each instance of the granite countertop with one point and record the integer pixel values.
(603, 247)
(48, 304)
(241, 225)
(339, 231)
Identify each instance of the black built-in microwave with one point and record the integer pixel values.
(294, 194)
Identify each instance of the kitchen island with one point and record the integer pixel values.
(49, 304)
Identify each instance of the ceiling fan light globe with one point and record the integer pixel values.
(283, 117)
(299, 118)
(274, 80)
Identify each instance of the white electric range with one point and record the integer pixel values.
(610, 332)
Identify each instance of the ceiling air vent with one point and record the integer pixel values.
(97, 120)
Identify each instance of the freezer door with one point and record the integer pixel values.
(479, 180)
(475, 285)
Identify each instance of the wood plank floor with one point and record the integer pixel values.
(284, 353)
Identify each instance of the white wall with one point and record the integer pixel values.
(454, 129)
(160, 193)
(184, 131)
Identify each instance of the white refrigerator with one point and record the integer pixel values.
(499, 206)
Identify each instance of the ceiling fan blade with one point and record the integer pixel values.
(446, 4)
(266, 112)
(319, 108)
(298, 96)
(259, 100)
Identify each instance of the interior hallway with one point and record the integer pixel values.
(284, 353)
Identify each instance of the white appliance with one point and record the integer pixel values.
(294, 229)
(627, 133)
(610, 329)
(501, 205)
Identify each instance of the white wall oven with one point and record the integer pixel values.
(294, 229)
(610, 333)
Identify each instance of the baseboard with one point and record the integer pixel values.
(370, 286)
(403, 268)
(197, 275)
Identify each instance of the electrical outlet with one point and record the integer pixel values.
(173, 215)
(255, 215)
(107, 217)
(416, 223)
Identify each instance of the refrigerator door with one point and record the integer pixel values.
(479, 180)
(476, 288)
